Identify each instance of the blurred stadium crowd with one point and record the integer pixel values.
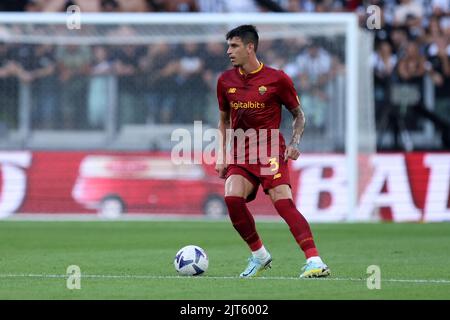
(411, 64)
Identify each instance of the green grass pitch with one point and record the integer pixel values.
(134, 260)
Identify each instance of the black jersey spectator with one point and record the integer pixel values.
(439, 57)
(9, 89)
(159, 69)
(384, 62)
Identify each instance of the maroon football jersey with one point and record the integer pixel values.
(255, 101)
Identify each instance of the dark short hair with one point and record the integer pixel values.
(247, 33)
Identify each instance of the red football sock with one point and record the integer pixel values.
(298, 225)
(243, 221)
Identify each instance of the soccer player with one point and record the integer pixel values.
(250, 97)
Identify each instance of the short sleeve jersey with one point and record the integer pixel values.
(255, 100)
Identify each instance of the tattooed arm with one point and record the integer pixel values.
(292, 150)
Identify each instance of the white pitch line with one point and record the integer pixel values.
(130, 276)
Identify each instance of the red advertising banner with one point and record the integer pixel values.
(393, 187)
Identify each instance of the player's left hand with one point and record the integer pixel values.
(291, 152)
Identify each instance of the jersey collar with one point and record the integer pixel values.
(253, 72)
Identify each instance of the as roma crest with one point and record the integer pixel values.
(262, 90)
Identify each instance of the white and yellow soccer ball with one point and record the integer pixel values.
(191, 260)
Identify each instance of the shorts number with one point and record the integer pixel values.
(274, 162)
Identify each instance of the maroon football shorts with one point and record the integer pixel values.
(269, 176)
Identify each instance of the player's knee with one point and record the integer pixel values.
(236, 191)
(280, 192)
(238, 186)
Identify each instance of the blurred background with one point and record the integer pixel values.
(67, 87)
(124, 86)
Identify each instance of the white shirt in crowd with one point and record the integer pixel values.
(408, 7)
(311, 66)
(380, 66)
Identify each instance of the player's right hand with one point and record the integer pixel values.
(221, 169)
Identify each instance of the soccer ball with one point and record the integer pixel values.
(191, 261)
